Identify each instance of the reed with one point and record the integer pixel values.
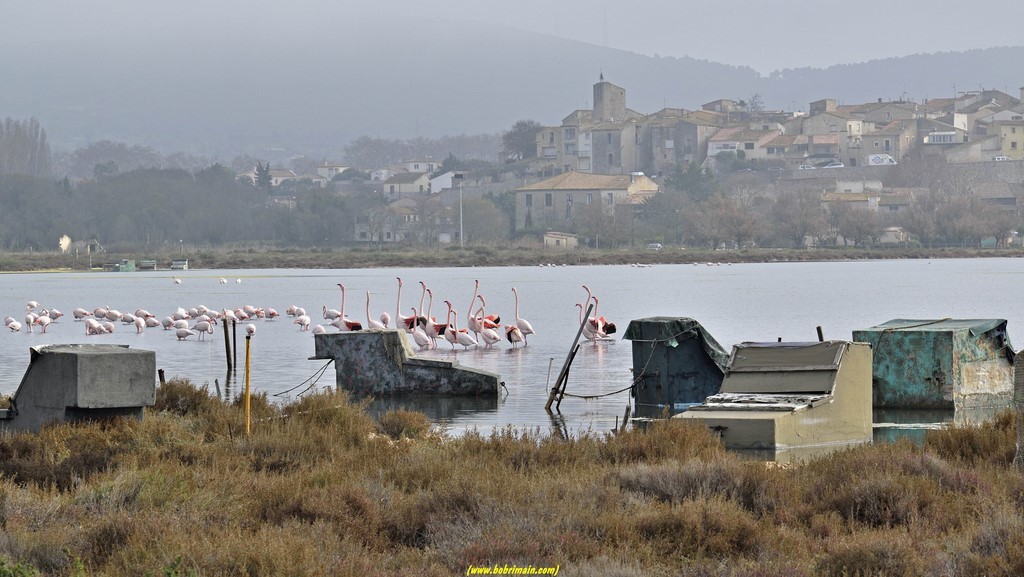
(321, 488)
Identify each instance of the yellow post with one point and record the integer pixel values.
(247, 340)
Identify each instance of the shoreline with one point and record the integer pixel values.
(392, 257)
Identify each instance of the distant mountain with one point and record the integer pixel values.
(314, 89)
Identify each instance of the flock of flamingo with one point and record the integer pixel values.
(481, 328)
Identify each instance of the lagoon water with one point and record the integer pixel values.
(736, 303)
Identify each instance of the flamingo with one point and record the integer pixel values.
(303, 322)
(14, 326)
(433, 329)
(419, 335)
(588, 330)
(167, 323)
(399, 319)
(514, 335)
(524, 326)
(223, 280)
(31, 305)
(54, 314)
(319, 330)
(183, 334)
(271, 314)
(108, 326)
(30, 319)
(488, 331)
(93, 327)
(176, 280)
(140, 325)
(250, 329)
(483, 319)
(151, 322)
(8, 320)
(43, 321)
(449, 330)
(472, 323)
(342, 322)
(462, 336)
(204, 328)
(372, 323)
(331, 314)
(80, 313)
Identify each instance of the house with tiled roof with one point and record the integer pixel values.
(894, 139)
(1011, 138)
(744, 142)
(555, 203)
(406, 183)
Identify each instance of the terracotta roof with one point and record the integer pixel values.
(825, 138)
(585, 181)
(783, 140)
(406, 177)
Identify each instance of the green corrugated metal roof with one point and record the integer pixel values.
(678, 328)
(976, 326)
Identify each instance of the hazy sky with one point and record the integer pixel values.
(764, 35)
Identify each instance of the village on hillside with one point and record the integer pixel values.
(603, 166)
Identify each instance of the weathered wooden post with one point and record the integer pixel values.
(227, 344)
(558, 389)
(1018, 407)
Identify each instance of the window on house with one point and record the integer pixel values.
(590, 198)
(570, 148)
(529, 200)
(551, 137)
(876, 144)
(566, 168)
(748, 146)
(1013, 130)
(388, 236)
(611, 159)
(421, 188)
(1013, 145)
(569, 133)
(609, 138)
(610, 197)
(392, 189)
(833, 128)
(887, 145)
(362, 235)
(670, 144)
(764, 127)
(415, 167)
(548, 199)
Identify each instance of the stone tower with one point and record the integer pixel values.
(609, 102)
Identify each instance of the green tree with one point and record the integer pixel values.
(693, 181)
(520, 142)
(263, 179)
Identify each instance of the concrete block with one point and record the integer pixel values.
(382, 363)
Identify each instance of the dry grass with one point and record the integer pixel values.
(318, 490)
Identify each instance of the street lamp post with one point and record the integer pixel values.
(458, 176)
(181, 247)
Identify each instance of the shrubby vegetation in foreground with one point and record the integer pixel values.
(319, 488)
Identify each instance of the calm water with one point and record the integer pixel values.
(736, 303)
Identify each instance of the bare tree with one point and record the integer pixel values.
(798, 216)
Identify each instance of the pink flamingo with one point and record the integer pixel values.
(342, 322)
(407, 322)
(372, 323)
(524, 326)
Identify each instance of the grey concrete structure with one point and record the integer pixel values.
(381, 363)
(81, 383)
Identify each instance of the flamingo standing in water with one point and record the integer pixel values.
(342, 322)
(513, 335)
(449, 329)
(462, 336)
(524, 326)
(372, 323)
(418, 334)
(433, 329)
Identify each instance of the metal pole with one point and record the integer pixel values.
(461, 236)
(234, 341)
(558, 388)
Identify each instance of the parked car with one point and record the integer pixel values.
(835, 165)
(806, 167)
(655, 246)
(1000, 158)
(775, 169)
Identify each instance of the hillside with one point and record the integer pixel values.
(314, 88)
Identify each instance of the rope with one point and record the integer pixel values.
(316, 377)
(631, 385)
